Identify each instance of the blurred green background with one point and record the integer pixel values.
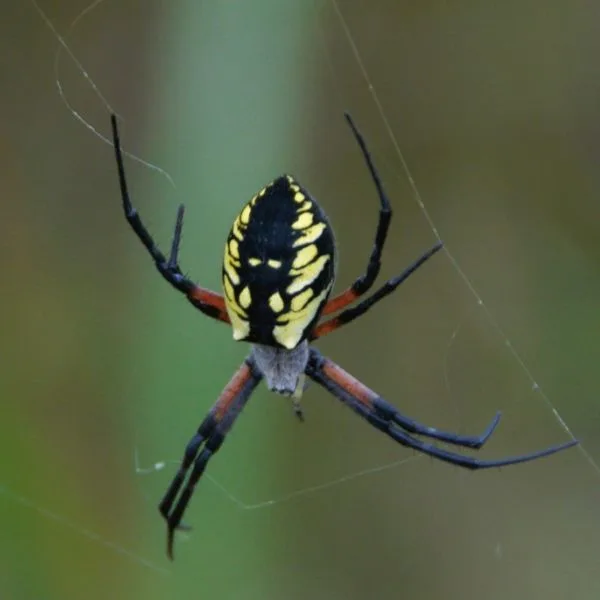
(105, 371)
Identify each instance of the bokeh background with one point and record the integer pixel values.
(105, 371)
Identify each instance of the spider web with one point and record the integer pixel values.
(476, 316)
(161, 464)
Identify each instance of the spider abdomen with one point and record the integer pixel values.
(279, 265)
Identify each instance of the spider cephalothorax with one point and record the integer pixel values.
(278, 273)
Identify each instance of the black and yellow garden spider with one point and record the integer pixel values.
(278, 272)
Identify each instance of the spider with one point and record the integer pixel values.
(278, 272)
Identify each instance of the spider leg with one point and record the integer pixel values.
(366, 280)
(386, 418)
(467, 462)
(205, 443)
(362, 307)
(210, 303)
(334, 378)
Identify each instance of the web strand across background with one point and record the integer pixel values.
(417, 197)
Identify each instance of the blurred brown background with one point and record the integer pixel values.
(105, 370)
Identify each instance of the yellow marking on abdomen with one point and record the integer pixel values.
(304, 256)
(274, 264)
(241, 328)
(236, 231)
(228, 289)
(245, 214)
(245, 298)
(254, 262)
(234, 248)
(303, 221)
(299, 301)
(236, 313)
(306, 276)
(229, 267)
(230, 301)
(310, 235)
(276, 302)
(290, 333)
